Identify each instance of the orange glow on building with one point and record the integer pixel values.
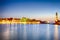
(56, 18)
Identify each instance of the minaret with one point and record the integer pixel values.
(56, 17)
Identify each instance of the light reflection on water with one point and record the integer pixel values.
(48, 32)
(29, 32)
(56, 32)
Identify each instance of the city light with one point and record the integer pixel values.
(25, 20)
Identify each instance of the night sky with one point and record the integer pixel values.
(29, 8)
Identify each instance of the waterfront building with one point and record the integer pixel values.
(57, 21)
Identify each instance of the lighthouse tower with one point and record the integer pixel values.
(56, 19)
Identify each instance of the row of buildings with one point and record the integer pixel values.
(22, 20)
(25, 20)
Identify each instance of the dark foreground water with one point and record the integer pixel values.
(29, 32)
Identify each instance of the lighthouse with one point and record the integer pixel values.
(56, 19)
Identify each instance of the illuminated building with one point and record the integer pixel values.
(57, 21)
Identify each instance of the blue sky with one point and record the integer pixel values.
(29, 8)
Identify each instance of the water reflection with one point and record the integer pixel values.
(29, 32)
(56, 32)
(36, 31)
(5, 34)
(13, 31)
(24, 32)
(48, 32)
